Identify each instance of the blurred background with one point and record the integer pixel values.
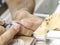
(43, 8)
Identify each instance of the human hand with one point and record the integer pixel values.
(29, 23)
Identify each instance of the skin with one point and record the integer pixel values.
(27, 5)
(15, 6)
(22, 9)
(9, 34)
(22, 6)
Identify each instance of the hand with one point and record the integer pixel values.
(29, 23)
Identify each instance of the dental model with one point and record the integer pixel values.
(50, 23)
